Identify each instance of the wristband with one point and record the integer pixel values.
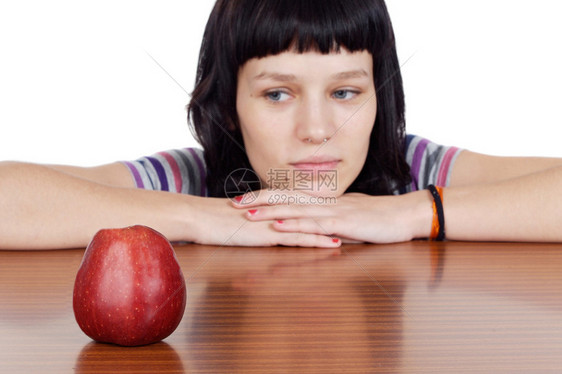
(438, 224)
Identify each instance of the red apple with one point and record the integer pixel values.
(129, 289)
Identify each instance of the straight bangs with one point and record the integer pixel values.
(276, 26)
(240, 30)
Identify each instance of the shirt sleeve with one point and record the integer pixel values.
(179, 171)
(430, 163)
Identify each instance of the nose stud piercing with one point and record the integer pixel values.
(308, 140)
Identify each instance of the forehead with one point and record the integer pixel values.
(291, 64)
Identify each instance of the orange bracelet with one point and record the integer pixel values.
(438, 222)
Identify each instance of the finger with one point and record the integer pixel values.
(252, 199)
(299, 239)
(248, 199)
(272, 197)
(284, 212)
(312, 226)
(316, 226)
(351, 241)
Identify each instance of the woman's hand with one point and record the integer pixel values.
(217, 222)
(351, 217)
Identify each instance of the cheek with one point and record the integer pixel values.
(359, 127)
(357, 135)
(263, 141)
(258, 137)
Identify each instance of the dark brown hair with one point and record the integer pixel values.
(239, 30)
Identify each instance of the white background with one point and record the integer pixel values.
(77, 84)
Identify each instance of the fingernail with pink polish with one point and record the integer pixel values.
(252, 211)
(238, 199)
(280, 221)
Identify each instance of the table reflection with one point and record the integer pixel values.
(409, 307)
(37, 285)
(320, 313)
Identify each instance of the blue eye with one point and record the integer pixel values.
(344, 94)
(277, 96)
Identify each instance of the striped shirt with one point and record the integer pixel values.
(430, 163)
(183, 170)
(178, 170)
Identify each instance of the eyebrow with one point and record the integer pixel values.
(359, 73)
(276, 77)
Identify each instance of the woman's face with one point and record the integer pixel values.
(306, 118)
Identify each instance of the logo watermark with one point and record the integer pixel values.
(302, 180)
(245, 182)
(242, 182)
(286, 199)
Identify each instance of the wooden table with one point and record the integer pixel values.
(415, 307)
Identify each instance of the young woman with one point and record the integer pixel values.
(302, 101)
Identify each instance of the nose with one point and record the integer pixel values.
(315, 122)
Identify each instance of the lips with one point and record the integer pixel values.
(317, 163)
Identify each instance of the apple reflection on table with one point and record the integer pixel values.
(108, 358)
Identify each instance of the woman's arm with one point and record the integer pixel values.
(475, 168)
(490, 198)
(504, 198)
(44, 207)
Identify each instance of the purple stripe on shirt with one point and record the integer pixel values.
(416, 162)
(136, 175)
(201, 171)
(160, 172)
